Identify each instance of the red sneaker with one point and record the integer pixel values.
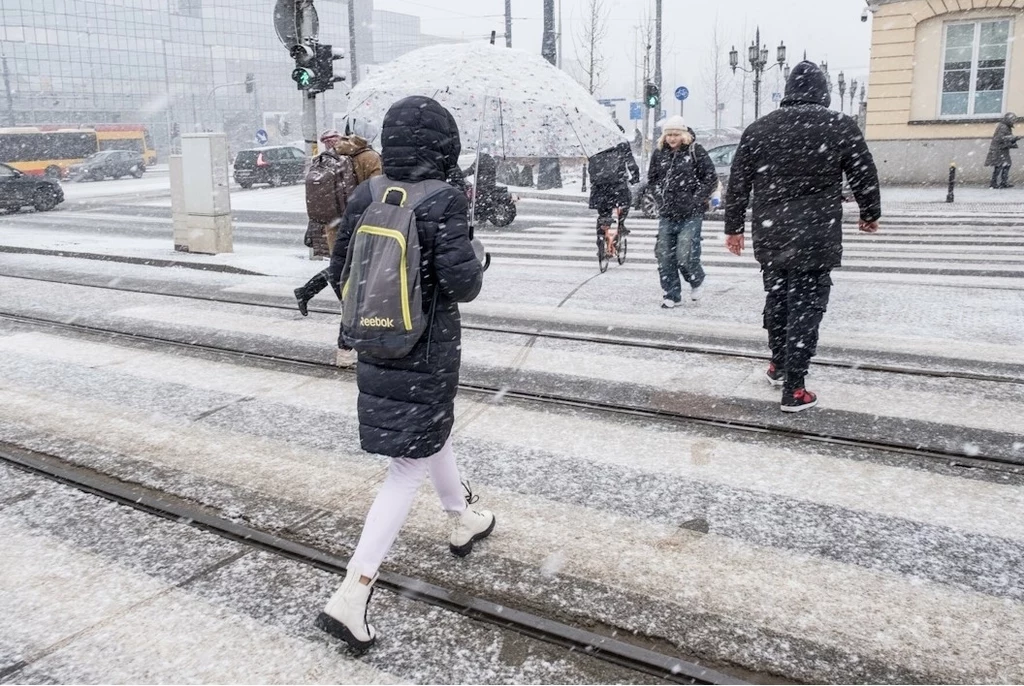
(776, 377)
(798, 400)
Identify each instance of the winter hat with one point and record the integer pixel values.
(329, 133)
(674, 123)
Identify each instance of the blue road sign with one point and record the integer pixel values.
(261, 136)
(776, 97)
(635, 111)
(682, 93)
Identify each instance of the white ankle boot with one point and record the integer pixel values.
(344, 616)
(470, 526)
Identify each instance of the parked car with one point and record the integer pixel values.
(721, 156)
(112, 163)
(275, 165)
(18, 189)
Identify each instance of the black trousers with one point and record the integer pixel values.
(794, 304)
(1001, 176)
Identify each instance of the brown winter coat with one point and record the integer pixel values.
(320, 236)
(364, 158)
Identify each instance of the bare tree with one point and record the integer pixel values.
(588, 40)
(719, 86)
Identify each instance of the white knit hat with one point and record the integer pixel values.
(674, 123)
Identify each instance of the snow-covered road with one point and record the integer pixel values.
(820, 562)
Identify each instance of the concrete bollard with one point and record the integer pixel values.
(952, 182)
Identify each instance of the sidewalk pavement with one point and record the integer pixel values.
(922, 201)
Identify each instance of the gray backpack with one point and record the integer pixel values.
(382, 299)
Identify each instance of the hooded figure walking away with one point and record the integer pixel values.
(406, 405)
(1003, 141)
(683, 178)
(793, 160)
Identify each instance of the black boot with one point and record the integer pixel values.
(309, 291)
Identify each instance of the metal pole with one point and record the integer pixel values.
(10, 96)
(508, 23)
(952, 182)
(757, 76)
(559, 62)
(547, 48)
(309, 99)
(657, 63)
(354, 77)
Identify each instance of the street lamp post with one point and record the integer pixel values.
(853, 96)
(842, 92)
(757, 55)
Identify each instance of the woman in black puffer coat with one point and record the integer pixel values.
(407, 406)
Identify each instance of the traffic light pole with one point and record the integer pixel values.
(306, 30)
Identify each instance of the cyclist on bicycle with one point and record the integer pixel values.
(611, 172)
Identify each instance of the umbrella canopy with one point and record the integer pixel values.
(513, 101)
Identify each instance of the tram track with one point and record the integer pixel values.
(583, 337)
(158, 503)
(288, 363)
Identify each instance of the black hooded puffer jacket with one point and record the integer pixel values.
(406, 406)
(793, 159)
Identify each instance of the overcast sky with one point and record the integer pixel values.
(827, 29)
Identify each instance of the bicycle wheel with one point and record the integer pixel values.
(602, 256)
(620, 248)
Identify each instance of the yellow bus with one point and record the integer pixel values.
(39, 152)
(125, 137)
(50, 149)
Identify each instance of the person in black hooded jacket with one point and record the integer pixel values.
(793, 160)
(406, 406)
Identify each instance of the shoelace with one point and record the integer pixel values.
(470, 498)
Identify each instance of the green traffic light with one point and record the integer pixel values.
(303, 77)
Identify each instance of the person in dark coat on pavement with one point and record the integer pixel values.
(1003, 141)
(406, 406)
(611, 171)
(793, 159)
(683, 178)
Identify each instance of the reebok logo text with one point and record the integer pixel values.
(377, 322)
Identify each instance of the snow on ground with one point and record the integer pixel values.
(909, 568)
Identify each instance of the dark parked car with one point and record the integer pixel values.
(112, 163)
(274, 165)
(17, 190)
(721, 156)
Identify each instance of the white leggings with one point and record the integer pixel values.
(394, 500)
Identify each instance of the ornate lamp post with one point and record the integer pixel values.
(757, 55)
(853, 96)
(842, 92)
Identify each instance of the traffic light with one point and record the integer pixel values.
(250, 82)
(323, 66)
(652, 96)
(303, 74)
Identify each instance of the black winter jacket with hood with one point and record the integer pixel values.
(683, 180)
(611, 171)
(406, 406)
(793, 160)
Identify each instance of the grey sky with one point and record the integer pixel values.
(827, 29)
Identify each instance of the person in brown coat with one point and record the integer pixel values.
(348, 161)
(365, 160)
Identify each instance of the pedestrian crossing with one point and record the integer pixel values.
(989, 251)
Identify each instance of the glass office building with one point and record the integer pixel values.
(174, 65)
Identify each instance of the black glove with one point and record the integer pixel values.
(634, 179)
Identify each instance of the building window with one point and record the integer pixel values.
(974, 68)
